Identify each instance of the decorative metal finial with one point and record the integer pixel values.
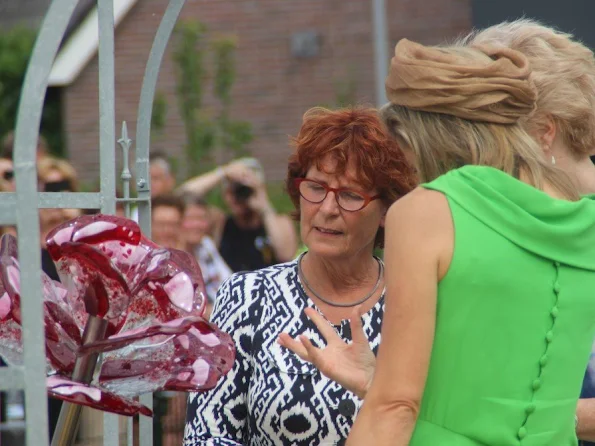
(125, 142)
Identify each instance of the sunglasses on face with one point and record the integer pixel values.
(348, 199)
(8, 175)
(58, 186)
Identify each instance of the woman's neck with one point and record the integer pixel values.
(578, 167)
(583, 172)
(340, 277)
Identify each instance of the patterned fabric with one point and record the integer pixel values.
(214, 269)
(271, 396)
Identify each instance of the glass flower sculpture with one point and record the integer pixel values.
(150, 301)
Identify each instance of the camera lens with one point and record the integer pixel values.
(241, 192)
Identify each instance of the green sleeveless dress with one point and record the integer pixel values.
(515, 317)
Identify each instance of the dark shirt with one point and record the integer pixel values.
(246, 249)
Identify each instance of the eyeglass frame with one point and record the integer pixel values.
(367, 198)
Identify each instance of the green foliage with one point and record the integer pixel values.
(206, 132)
(16, 46)
(225, 72)
(279, 197)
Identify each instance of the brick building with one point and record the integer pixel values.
(273, 87)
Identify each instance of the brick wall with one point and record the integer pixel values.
(273, 89)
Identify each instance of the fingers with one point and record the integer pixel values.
(314, 353)
(357, 329)
(324, 326)
(239, 172)
(295, 346)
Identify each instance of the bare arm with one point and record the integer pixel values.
(203, 184)
(418, 247)
(279, 227)
(585, 413)
(282, 234)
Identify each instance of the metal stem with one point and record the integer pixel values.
(70, 414)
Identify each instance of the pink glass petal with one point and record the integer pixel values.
(93, 230)
(169, 286)
(63, 335)
(10, 275)
(117, 238)
(87, 395)
(11, 348)
(188, 354)
(153, 297)
(5, 304)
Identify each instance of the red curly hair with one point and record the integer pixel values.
(351, 135)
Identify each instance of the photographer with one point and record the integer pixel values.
(254, 235)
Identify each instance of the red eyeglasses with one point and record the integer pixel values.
(347, 199)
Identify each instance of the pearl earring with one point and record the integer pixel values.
(553, 160)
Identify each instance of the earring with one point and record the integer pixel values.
(553, 160)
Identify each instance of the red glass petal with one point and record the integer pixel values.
(88, 395)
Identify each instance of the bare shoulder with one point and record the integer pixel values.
(422, 221)
(425, 207)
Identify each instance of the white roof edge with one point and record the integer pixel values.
(82, 46)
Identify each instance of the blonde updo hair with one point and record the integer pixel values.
(442, 142)
(563, 71)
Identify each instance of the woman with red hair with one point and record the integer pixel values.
(344, 174)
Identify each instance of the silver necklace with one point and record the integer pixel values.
(337, 304)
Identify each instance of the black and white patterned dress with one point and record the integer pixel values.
(271, 396)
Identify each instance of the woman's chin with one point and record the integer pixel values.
(327, 251)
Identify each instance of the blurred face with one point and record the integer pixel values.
(195, 223)
(56, 181)
(236, 207)
(330, 231)
(162, 182)
(166, 225)
(7, 175)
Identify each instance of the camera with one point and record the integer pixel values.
(241, 192)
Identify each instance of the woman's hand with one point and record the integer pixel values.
(350, 365)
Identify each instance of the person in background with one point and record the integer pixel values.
(58, 175)
(195, 227)
(162, 182)
(253, 235)
(166, 221)
(8, 146)
(54, 175)
(7, 182)
(343, 174)
(162, 178)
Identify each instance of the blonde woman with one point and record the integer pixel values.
(563, 71)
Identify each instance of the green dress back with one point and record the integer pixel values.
(515, 315)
